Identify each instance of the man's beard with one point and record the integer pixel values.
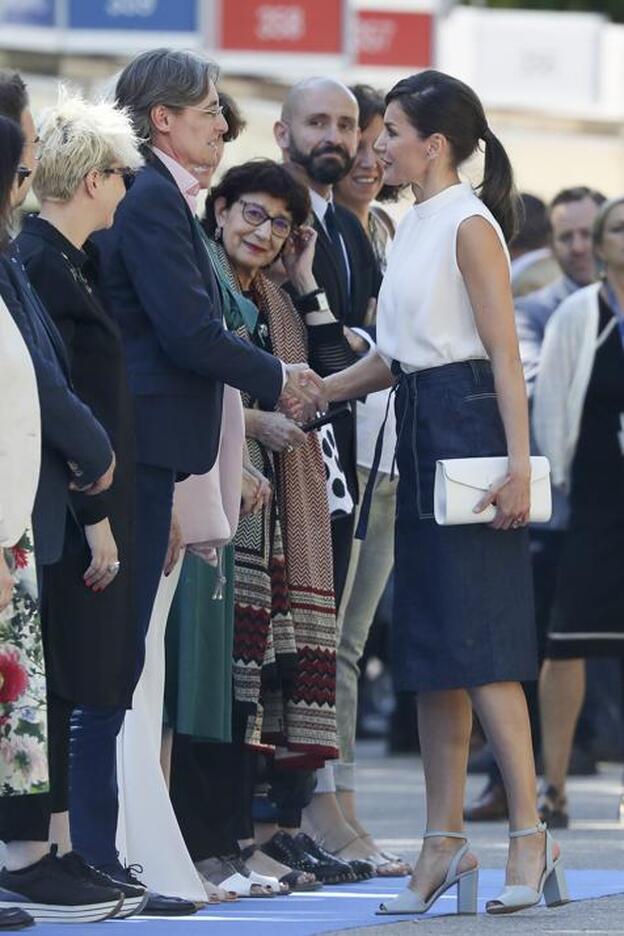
(327, 172)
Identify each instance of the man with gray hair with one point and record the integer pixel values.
(159, 285)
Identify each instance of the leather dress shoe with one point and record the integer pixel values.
(12, 918)
(157, 904)
(489, 806)
(302, 853)
(331, 870)
(160, 905)
(552, 808)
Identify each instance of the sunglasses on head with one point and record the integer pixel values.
(22, 173)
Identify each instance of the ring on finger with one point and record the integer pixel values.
(113, 568)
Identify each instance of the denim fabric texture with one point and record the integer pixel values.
(463, 601)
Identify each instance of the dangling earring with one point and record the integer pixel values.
(218, 234)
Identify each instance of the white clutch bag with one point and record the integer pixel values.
(460, 483)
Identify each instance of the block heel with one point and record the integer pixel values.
(556, 887)
(410, 903)
(552, 885)
(468, 893)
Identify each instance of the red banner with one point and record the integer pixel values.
(394, 39)
(282, 26)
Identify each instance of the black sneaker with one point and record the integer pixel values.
(13, 919)
(135, 895)
(157, 904)
(50, 893)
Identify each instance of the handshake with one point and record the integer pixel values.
(303, 395)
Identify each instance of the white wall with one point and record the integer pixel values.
(528, 60)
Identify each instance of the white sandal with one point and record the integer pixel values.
(226, 876)
(266, 880)
(552, 885)
(409, 902)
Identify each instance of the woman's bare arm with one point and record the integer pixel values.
(483, 264)
(365, 376)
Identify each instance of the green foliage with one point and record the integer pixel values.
(612, 8)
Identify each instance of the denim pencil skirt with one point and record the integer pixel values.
(463, 595)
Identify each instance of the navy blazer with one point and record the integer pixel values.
(157, 279)
(69, 431)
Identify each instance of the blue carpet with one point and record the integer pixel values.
(333, 908)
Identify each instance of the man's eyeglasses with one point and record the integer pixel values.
(256, 215)
(213, 112)
(125, 172)
(22, 173)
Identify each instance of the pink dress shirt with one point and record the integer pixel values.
(186, 181)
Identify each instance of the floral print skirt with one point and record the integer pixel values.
(23, 725)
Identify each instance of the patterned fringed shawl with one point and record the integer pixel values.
(285, 622)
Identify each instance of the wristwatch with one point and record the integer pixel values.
(315, 301)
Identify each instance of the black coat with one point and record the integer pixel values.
(69, 431)
(160, 287)
(91, 637)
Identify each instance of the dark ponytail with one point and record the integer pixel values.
(437, 103)
(497, 190)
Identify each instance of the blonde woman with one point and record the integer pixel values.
(88, 154)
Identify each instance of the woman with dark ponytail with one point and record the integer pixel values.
(463, 629)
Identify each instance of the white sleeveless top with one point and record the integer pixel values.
(424, 315)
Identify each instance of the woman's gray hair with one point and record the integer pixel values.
(77, 137)
(600, 221)
(175, 78)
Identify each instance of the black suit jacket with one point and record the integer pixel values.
(365, 273)
(349, 310)
(159, 285)
(70, 432)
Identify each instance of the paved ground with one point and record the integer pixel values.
(392, 804)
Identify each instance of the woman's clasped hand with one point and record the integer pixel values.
(275, 430)
(512, 498)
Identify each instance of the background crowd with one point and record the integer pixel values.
(183, 605)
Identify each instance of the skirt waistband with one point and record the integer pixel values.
(477, 369)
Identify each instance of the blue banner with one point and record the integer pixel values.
(28, 12)
(156, 15)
